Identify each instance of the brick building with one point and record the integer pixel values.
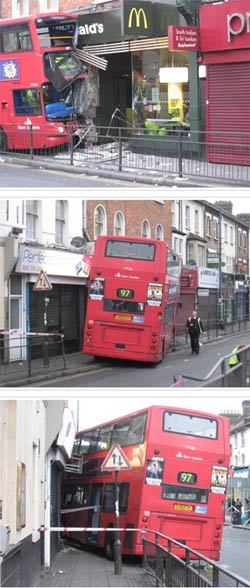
(148, 218)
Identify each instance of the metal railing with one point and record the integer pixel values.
(214, 328)
(26, 354)
(171, 150)
(221, 375)
(191, 569)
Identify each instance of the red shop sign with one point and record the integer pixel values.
(182, 38)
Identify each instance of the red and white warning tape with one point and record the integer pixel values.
(80, 529)
(16, 332)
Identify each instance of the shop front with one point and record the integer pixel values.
(59, 309)
(207, 296)
(144, 80)
(225, 41)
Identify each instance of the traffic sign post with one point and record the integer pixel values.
(43, 285)
(116, 460)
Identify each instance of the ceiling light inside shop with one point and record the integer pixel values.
(173, 74)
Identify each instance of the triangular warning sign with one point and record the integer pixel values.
(116, 459)
(42, 282)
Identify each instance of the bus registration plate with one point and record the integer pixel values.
(187, 507)
(122, 317)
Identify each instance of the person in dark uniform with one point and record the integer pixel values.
(195, 328)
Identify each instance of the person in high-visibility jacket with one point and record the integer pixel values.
(195, 328)
(235, 358)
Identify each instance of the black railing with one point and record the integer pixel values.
(172, 150)
(191, 569)
(26, 355)
(221, 375)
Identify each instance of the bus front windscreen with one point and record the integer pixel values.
(62, 68)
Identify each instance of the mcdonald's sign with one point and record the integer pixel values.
(138, 18)
(138, 13)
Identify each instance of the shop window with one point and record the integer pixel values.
(119, 224)
(160, 90)
(15, 302)
(145, 230)
(159, 234)
(100, 221)
(31, 219)
(60, 221)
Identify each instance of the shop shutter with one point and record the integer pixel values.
(228, 113)
(55, 509)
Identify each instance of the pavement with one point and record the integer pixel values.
(195, 173)
(16, 373)
(75, 567)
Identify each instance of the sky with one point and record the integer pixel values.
(102, 406)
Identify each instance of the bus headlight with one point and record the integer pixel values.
(60, 129)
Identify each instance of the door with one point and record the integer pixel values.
(95, 512)
(17, 341)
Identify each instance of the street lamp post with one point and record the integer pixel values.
(220, 266)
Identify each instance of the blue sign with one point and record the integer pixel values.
(9, 70)
(201, 509)
(138, 319)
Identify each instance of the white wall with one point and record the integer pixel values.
(22, 436)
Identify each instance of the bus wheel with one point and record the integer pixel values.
(3, 141)
(109, 546)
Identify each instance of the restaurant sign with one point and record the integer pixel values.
(181, 38)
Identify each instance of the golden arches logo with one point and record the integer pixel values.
(139, 14)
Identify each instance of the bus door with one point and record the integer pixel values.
(95, 511)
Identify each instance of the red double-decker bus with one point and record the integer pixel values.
(132, 299)
(38, 68)
(176, 485)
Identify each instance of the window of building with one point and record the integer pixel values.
(173, 213)
(119, 224)
(201, 255)
(244, 239)
(159, 233)
(31, 219)
(209, 234)
(225, 233)
(190, 252)
(216, 229)
(231, 235)
(145, 229)
(235, 441)
(180, 247)
(49, 5)
(242, 439)
(155, 93)
(187, 217)
(176, 244)
(243, 459)
(20, 7)
(100, 221)
(60, 221)
(196, 221)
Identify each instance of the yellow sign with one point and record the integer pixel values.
(139, 15)
(121, 317)
(183, 507)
